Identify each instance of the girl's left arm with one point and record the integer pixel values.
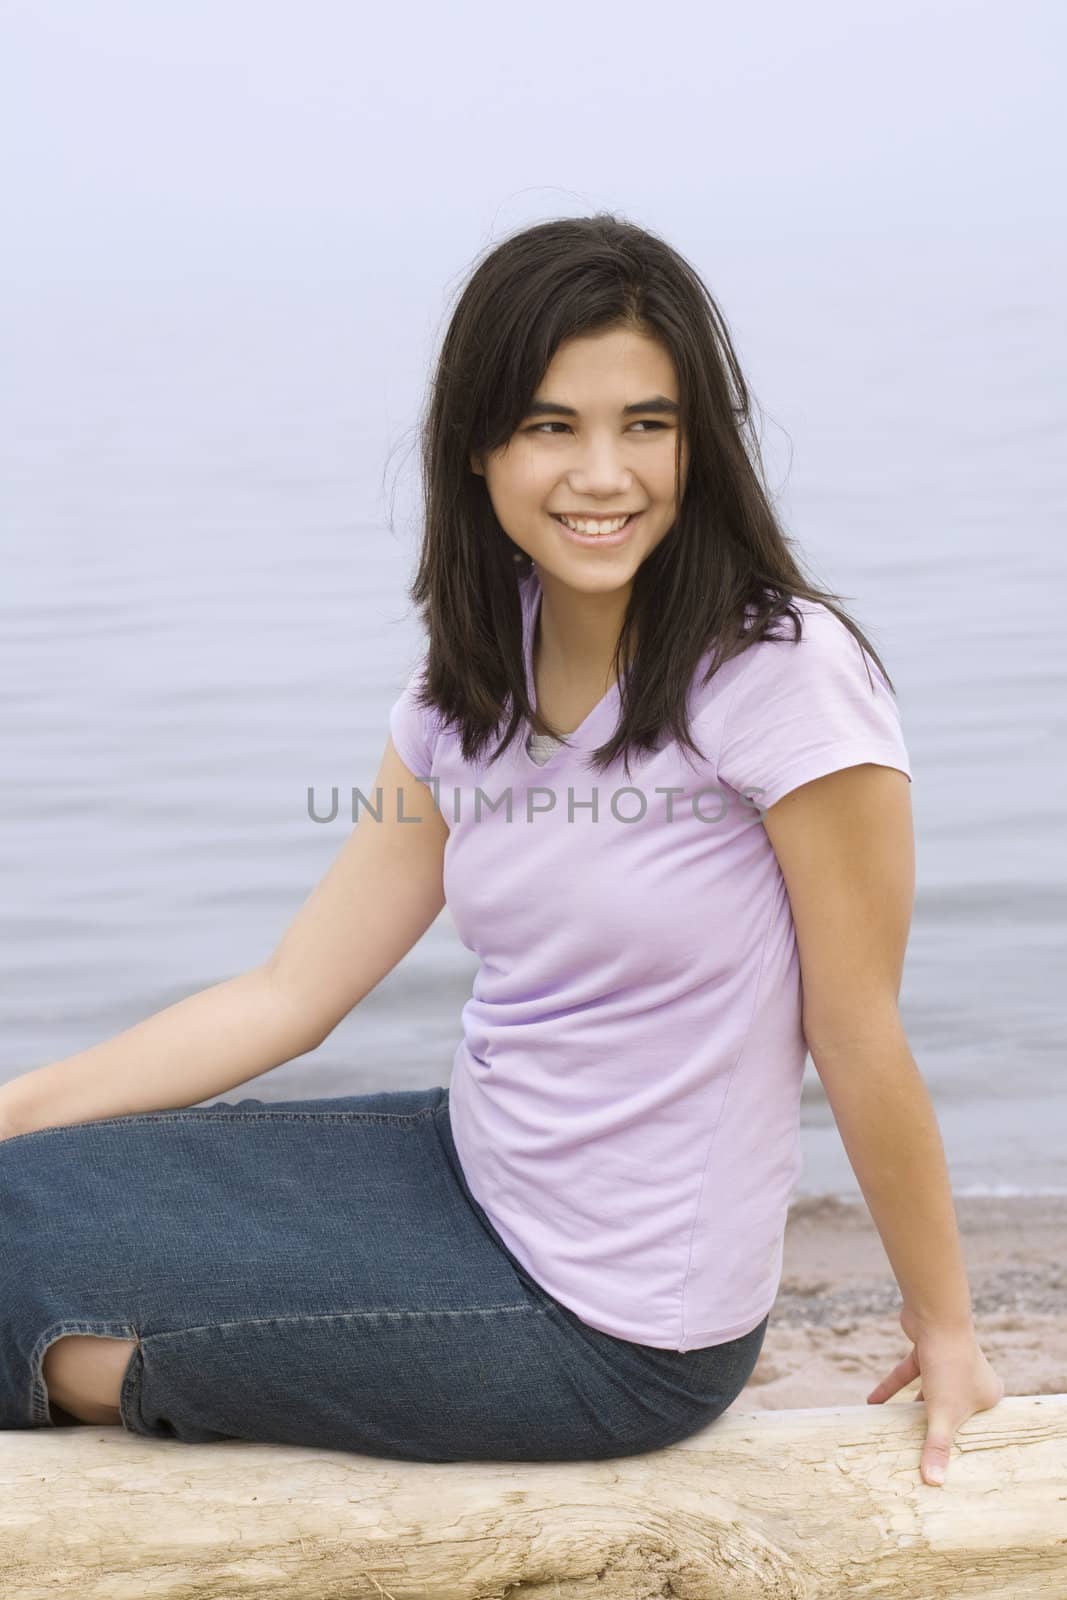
(845, 846)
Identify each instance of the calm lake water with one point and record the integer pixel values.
(204, 615)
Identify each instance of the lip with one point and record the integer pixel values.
(609, 541)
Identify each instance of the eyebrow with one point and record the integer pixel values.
(658, 403)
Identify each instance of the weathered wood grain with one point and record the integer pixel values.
(794, 1505)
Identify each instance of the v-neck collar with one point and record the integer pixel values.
(590, 732)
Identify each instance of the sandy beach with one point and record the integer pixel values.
(834, 1331)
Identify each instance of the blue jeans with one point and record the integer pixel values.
(316, 1272)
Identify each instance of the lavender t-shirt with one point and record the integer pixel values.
(625, 1099)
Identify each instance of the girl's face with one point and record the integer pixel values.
(600, 439)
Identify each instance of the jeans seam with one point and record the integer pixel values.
(336, 1316)
(232, 1116)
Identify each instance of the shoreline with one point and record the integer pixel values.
(834, 1330)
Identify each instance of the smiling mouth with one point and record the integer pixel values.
(604, 527)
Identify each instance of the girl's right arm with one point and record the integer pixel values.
(382, 892)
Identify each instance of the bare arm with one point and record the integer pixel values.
(198, 1047)
(377, 900)
(845, 846)
(380, 895)
(890, 1132)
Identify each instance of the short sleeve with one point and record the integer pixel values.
(413, 728)
(800, 711)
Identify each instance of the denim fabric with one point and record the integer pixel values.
(316, 1272)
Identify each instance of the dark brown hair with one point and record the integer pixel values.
(724, 553)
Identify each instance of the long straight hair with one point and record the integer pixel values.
(717, 583)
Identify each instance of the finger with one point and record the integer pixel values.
(903, 1373)
(936, 1451)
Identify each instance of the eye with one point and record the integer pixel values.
(641, 423)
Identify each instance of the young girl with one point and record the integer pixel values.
(649, 766)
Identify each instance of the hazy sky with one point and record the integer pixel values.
(146, 140)
(240, 207)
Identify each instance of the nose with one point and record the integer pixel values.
(601, 471)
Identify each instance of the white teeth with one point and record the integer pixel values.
(594, 527)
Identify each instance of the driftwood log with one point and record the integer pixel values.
(799, 1504)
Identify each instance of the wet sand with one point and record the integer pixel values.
(834, 1331)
